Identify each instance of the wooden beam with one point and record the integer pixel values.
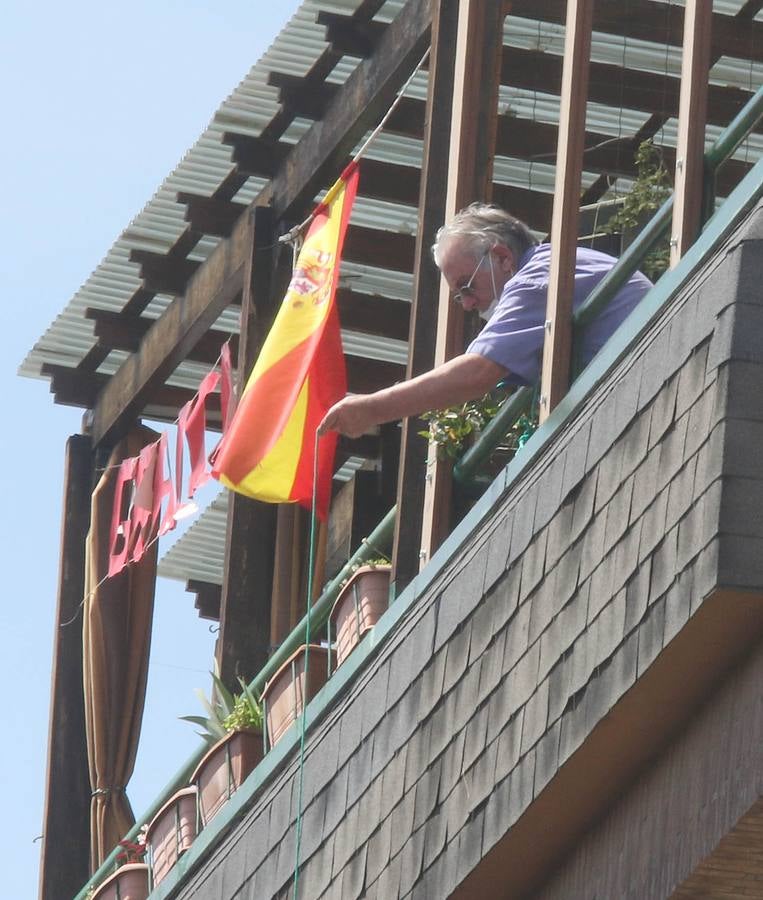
(243, 645)
(372, 314)
(426, 286)
(690, 147)
(210, 216)
(164, 273)
(557, 347)
(311, 164)
(358, 105)
(207, 598)
(65, 858)
(477, 63)
(120, 332)
(652, 20)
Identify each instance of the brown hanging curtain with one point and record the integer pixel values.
(116, 641)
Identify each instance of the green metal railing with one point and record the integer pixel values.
(467, 468)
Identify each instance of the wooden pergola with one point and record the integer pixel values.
(498, 103)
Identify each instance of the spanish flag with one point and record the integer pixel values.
(267, 452)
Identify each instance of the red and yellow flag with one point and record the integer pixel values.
(267, 453)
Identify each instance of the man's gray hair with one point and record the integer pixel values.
(481, 226)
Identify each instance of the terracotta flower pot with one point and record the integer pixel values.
(172, 831)
(287, 692)
(223, 769)
(359, 607)
(129, 882)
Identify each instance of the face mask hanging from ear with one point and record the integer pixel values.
(487, 313)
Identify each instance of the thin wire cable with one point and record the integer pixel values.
(310, 577)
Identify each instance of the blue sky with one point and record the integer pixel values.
(99, 103)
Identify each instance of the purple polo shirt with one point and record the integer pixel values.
(513, 336)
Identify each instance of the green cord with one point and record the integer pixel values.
(310, 575)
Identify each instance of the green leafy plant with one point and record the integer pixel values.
(454, 428)
(649, 191)
(226, 712)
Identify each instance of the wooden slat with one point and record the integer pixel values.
(243, 645)
(564, 228)
(311, 165)
(423, 327)
(470, 177)
(690, 147)
(64, 865)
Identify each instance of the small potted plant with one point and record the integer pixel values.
(171, 832)
(233, 728)
(287, 693)
(130, 881)
(361, 602)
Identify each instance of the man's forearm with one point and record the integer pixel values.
(464, 378)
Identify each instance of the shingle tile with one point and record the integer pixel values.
(678, 605)
(523, 678)
(427, 792)
(451, 763)
(700, 422)
(650, 636)
(491, 669)
(680, 494)
(374, 699)
(709, 460)
(535, 718)
(336, 800)
(498, 550)
(593, 545)
(663, 411)
(705, 569)
(497, 815)
(618, 514)
(402, 821)
(559, 534)
(358, 769)
(432, 681)
(457, 657)
(691, 379)
(583, 508)
(417, 753)
(505, 597)
(672, 449)
(378, 852)
(470, 845)
(435, 835)
(610, 476)
(393, 782)
(480, 779)
(476, 730)
(645, 479)
(637, 596)
(550, 493)
(524, 516)
(533, 565)
(345, 841)
(517, 631)
(663, 565)
(547, 758)
(522, 783)
(653, 525)
(411, 860)
(575, 460)
(635, 442)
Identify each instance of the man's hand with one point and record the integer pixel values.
(350, 416)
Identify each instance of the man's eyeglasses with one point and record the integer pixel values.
(467, 290)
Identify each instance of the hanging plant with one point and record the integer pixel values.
(455, 428)
(650, 190)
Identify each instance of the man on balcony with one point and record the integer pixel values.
(493, 264)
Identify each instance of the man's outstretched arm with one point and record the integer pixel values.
(463, 378)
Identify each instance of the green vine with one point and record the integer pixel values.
(650, 190)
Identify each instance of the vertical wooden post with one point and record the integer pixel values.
(426, 283)
(476, 67)
(692, 115)
(244, 639)
(564, 226)
(65, 857)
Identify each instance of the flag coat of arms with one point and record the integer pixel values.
(268, 450)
